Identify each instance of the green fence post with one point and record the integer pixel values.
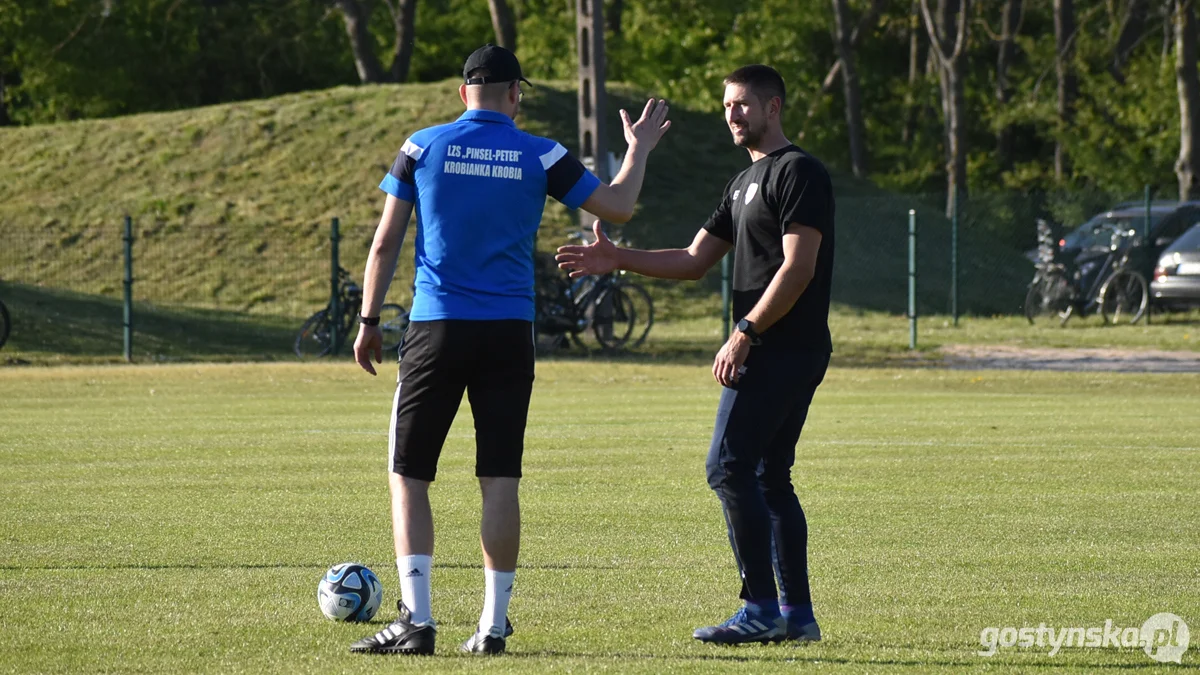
(1148, 244)
(954, 260)
(1146, 235)
(335, 312)
(726, 310)
(912, 278)
(128, 319)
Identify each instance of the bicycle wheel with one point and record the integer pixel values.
(5, 324)
(1124, 297)
(643, 308)
(1048, 298)
(1035, 302)
(314, 338)
(615, 319)
(393, 321)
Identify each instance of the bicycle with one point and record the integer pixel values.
(315, 338)
(1106, 283)
(5, 324)
(620, 313)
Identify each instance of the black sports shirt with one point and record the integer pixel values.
(786, 187)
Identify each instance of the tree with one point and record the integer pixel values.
(911, 109)
(850, 89)
(404, 17)
(950, 50)
(365, 60)
(1064, 56)
(1010, 23)
(357, 16)
(612, 16)
(831, 77)
(1130, 34)
(503, 24)
(1187, 167)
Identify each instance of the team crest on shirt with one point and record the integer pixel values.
(750, 192)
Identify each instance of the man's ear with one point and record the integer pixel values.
(462, 93)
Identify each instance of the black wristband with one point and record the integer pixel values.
(369, 320)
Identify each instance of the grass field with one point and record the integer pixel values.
(177, 519)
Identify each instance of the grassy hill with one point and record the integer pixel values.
(232, 203)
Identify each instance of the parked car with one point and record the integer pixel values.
(1176, 283)
(1095, 234)
(1167, 223)
(1097, 231)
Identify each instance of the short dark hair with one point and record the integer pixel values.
(764, 81)
(479, 72)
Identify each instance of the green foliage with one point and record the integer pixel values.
(68, 59)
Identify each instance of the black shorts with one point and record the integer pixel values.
(493, 362)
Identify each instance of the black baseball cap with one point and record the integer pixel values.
(502, 65)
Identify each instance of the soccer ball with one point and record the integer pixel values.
(350, 592)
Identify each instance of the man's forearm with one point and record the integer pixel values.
(781, 295)
(381, 267)
(627, 184)
(673, 263)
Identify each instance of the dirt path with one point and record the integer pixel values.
(971, 357)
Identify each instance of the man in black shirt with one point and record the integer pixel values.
(777, 215)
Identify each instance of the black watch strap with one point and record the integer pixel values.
(369, 320)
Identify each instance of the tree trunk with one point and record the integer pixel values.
(404, 15)
(612, 15)
(1064, 41)
(911, 109)
(948, 39)
(5, 120)
(365, 59)
(1187, 167)
(956, 133)
(850, 89)
(1130, 34)
(503, 24)
(1004, 57)
(864, 23)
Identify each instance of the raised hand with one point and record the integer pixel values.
(597, 258)
(644, 134)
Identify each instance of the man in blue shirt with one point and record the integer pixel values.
(478, 186)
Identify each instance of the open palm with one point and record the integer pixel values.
(599, 257)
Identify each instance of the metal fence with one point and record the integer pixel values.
(246, 288)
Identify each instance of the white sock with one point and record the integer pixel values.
(414, 586)
(498, 591)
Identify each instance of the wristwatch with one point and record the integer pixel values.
(369, 320)
(747, 327)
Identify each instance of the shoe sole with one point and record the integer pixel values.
(485, 652)
(760, 641)
(413, 652)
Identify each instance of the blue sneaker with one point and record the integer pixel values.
(809, 632)
(744, 626)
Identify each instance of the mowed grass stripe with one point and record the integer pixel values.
(185, 529)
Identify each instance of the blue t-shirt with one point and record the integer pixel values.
(479, 185)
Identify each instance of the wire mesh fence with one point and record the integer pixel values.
(221, 290)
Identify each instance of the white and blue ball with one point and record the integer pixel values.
(350, 592)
